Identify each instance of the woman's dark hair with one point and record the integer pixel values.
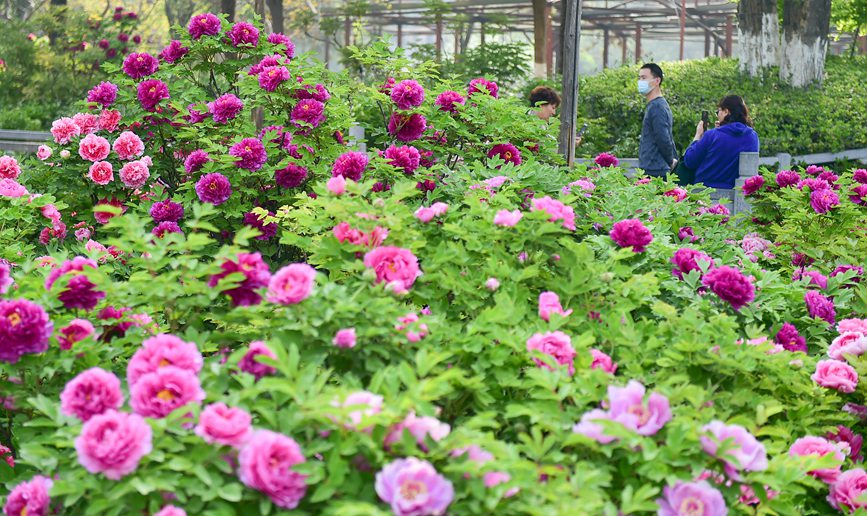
(737, 109)
(545, 95)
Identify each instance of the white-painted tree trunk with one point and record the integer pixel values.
(759, 50)
(802, 63)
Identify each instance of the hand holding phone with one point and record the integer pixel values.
(705, 118)
(582, 130)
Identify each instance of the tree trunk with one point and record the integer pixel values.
(539, 68)
(228, 8)
(275, 7)
(806, 24)
(758, 35)
(569, 109)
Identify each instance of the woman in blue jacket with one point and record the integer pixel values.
(715, 154)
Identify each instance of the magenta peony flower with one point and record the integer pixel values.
(448, 101)
(91, 393)
(752, 185)
(556, 209)
(344, 338)
(166, 211)
(365, 403)
(730, 285)
(292, 176)
(29, 498)
(250, 153)
(225, 108)
(128, 146)
(76, 331)
(101, 173)
(835, 374)
(686, 260)
(407, 94)
(163, 351)
(406, 157)
(847, 493)
(848, 343)
(134, 174)
(266, 62)
(273, 76)
(205, 24)
(406, 128)
(173, 52)
(602, 361)
(484, 86)
(249, 363)
(350, 165)
(166, 227)
(256, 275)
(159, 393)
(276, 38)
(214, 188)
(265, 464)
(823, 200)
(104, 94)
(113, 443)
(317, 92)
(789, 338)
(549, 303)
(291, 284)
(849, 442)
(686, 233)
(860, 176)
(606, 160)
(413, 487)
(747, 453)
(507, 218)
(859, 195)
(556, 344)
(225, 426)
(819, 447)
(195, 161)
(691, 498)
(506, 152)
(267, 230)
(78, 292)
(420, 428)
(140, 65)
(819, 306)
(631, 233)
(395, 266)
(151, 92)
(308, 113)
(243, 33)
(64, 130)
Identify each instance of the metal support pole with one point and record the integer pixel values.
(682, 27)
(569, 110)
(638, 44)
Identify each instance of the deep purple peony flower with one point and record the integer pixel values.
(823, 200)
(292, 176)
(167, 210)
(24, 328)
(308, 112)
(104, 93)
(276, 38)
(243, 33)
(484, 86)
(173, 52)
(317, 92)
(753, 184)
(151, 92)
(406, 128)
(205, 24)
(448, 100)
(787, 178)
(859, 195)
(350, 165)
(273, 76)
(789, 338)
(267, 230)
(225, 108)
(256, 275)
(507, 152)
(407, 94)
(860, 176)
(195, 161)
(250, 153)
(819, 306)
(406, 158)
(606, 160)
(730, 285)
(214, 188)
(166, 227)
(196, 115)
(140, 65)
(631, 233)
(79, 292)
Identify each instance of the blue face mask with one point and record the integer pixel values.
(644, 87)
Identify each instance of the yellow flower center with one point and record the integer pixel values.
(212, 186)
(691, 507)
(153, 89)
(508, 155)
(412, 489)
(247, 148)
(165, 395)
(14, 319)
(408, 87)
(139, 59)
(306, 107)
(164, 363)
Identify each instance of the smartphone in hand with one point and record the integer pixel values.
(583, 129)
(705, 119)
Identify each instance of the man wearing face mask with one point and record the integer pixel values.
(657, 155)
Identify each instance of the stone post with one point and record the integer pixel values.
(749, 167)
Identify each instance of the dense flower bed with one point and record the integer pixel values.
(198, 316)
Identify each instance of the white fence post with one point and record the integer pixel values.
(356, 133)
(785, 161)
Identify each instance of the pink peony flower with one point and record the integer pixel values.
(152, 92)
(139, 65)
(343, 232)
(730, 285)
(344, 338)
(11, 188)
(365, 403)
(819, 447)
(205, 24)
(243, 33)
(835, 374)
(555, 344)
(91, 393)
(214, 188)
(265, 464)
(413, 487)
(43, 152)
(113, 443)
(350, 165)
(847, 493)
(853, 325)
(686, 260)
(686, 233)
(163, 351)
(336, 185)
(271, 77)
(76, 331)
(29, 498)
(557, 210)
(602, 361)
(128, 146)
(420, 428)
(256, 275)
(6, 280)
(549, 303)
(819, 306)
(743, 451)
(159, 393)
(849, 343)
(631, 233)
(627, 406)
(589, 426)
(108, 120)
(173, 52)
(606, 160)
(407, 94)
(413, 335)
(395, 266)
(507, 218)
(171, 510)
(506, 152)
(823, 200)
(134, 174)
(225, 108)
(860, 176)
(101, 173)
(291, 284)
(249, 363)
(64, 130)
(250, 153)
(691, 498)
(585, 186)
(195, 161)
(407, 128)
(223, 425)
(492, 284)
(406, 158)
(448, 101)
(483, 86)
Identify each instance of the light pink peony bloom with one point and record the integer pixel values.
(589, 427)
(161, 392)
(171, 510)
(43, 152)
(128, 146)
(426, 214)
(691, 499)
(742, 451)
(101, 173)
(412, 487)
(113, 443)
(29, 498)
(163, 351)
(336, 185)
(93, 148)
(507, 218)
(627, 406)
(556, 344)
(291, 284)
(835, 374)
(395, 266)
(64, 130)
(492, 284)
(602, 361)
(420, 428)
(249, 363)
(344, 338)
(223, 425)
(847, 493)
(134, 174)
(819, 447)
(549, 303)
(411, 318)
(91, 393)
(365, 404)
(265, 464)
(11, 188)
(557, 210)
(855, 325)
(848, 343)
